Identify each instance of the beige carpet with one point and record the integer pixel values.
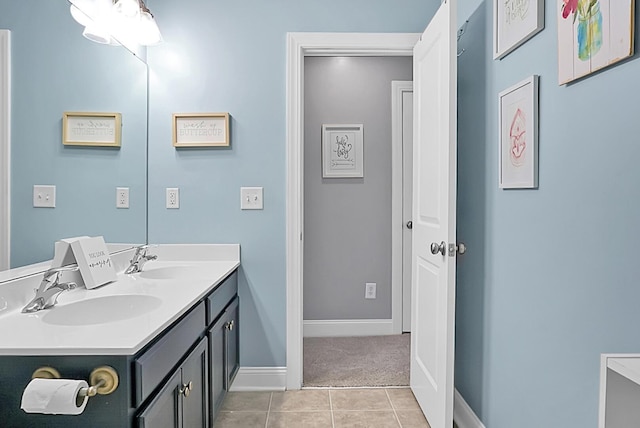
(356, 361)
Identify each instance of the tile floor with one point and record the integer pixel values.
(322, 408)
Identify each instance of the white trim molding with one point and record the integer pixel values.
(300, 45)
(5, 148)
(463, 415)
(260, 379)
(398, 88)
(343, 328)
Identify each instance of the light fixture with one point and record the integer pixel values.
(128, 8)
(148, 31)
(114, 22)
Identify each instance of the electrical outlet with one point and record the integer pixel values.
(173, 197)
(44, 196)
(370, 290)
(122, 197)
(251, 198)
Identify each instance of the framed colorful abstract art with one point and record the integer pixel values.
(518, 135)
(592, 34)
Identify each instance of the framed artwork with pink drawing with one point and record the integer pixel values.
(518, 135)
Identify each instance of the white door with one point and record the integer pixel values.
(407, 205)
(434, 217)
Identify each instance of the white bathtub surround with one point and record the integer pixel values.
(142, 304)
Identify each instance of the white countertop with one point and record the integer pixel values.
(32, 334)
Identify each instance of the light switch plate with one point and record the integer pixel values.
(44, 196)
(251, 198)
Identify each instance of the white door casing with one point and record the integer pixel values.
(434, 217)
(300, 45)
(5, 147)
(407, 205)
(401, 195)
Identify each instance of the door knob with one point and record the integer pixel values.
(409, 224)
(186, 389)
(462, 248)
(439, 248)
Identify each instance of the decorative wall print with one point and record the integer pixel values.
(515, 22)
(518, 127)
(592, 34)
(342, 151)
(91, 129)
(200, 129)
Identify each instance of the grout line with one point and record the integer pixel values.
(393, 407)
(333, 422)
(266, 423)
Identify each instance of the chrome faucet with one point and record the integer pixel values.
(49, 289)
(139, 259)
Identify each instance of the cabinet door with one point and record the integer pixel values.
(216, 367)
(165, 409)
(195, 401)
(232, 341)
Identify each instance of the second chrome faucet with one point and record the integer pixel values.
(140, 257)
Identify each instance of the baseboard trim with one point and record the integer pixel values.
(336, 328)
(260, 379)
(463, 415)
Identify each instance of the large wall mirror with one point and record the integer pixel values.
(56, 70)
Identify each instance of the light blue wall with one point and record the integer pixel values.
(550, 279)
(54, 69)
(230, 56)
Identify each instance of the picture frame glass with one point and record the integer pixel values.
(342, 151)
(518, 135)
(200, 129)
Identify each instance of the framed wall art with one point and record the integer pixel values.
(201, 129)
(342, 151)
(91, 129)
(518, 135)
(515, 22)
(592, 34)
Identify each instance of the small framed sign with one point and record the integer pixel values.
(201, 129)
(94, 261)
(91, 129)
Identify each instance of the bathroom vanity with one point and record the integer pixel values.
(170, 332)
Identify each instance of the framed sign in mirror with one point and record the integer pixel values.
(91, 129)
(201, 129)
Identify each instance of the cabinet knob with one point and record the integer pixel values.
(186, 389)
(229, 325)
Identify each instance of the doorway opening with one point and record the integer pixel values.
(354, 212)
(299, 46)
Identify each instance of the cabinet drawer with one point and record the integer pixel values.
(156, 362)
(220, 298)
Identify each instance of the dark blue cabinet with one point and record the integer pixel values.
(183, 401)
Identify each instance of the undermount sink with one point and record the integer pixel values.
(101, 310)
(173, 272)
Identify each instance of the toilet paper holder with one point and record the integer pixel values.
(103, 380)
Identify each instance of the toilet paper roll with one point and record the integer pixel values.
(54, 397)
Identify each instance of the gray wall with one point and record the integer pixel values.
(347, 221)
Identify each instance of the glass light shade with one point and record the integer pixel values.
(148, 33)
(128, 8)
(80, 16)
(97, 34)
